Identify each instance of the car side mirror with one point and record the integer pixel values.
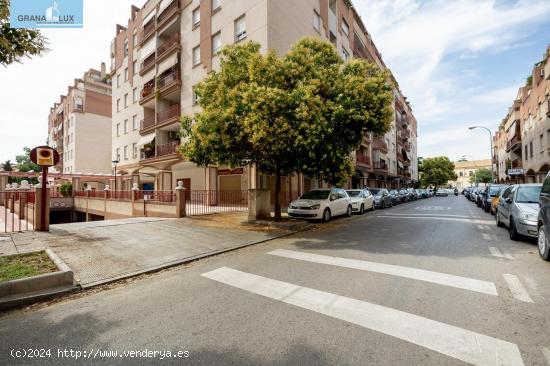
(508, 200)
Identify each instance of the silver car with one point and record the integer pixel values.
(518, 209)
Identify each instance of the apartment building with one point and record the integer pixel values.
(79, 125)
(466, 170)
(169, 46)
(522, 142)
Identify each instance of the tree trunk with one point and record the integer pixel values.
(277, 198)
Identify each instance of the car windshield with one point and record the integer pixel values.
(529, 194)
(316, 195)
(353, 193)
(374, 191)
(493, 191)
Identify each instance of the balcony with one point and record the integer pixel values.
(169, 79)
(514, 143)
(170, 44)
(147, 93)
(362, 160)
(168, 12)
(160, 152)
(147, 64)
(147, 123)
(405, 134)
(358, 49)
(171, 114)
(147, 31)
(380, 146)
(381, 166)
(516, 163)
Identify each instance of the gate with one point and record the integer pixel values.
(16, 211)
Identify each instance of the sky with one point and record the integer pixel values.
(459, 62)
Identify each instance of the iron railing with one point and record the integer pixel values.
(15, 211)
(204, 202)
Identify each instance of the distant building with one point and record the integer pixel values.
(79, 125)
(466, 169)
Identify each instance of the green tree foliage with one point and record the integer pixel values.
(303, 112)
(482, 176)
(24, 163)
(436, 171)
(6, 166)
(16, 43)
(66, 190)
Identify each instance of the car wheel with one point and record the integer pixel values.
(544, 247)
(514, 235)
(349, 212)
(362, 209)
(497, 219)
(487, 208)
(383, 205)
(373, 207)
(326, 215)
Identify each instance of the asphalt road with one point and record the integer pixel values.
(432, 282)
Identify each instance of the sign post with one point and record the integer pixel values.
(45, 157)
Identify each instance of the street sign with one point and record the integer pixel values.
(44, 156)
(517, 171)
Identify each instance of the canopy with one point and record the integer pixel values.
(168, 63)
(147, 49)
(144, 140)
(149, 16)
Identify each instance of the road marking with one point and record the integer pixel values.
(546, 353)
(444, 279)
(486, 236)
(462, 344)
(438, 217)
(433, 208)
(429, 215)
(516, 288)
(496, 252)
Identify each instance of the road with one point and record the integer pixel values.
(432, 282)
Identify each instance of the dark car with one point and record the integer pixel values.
(412, 194)
(492, 194)
(382, 197)
(396, 198)
(481, 192)
(404, 195)
(544, 220)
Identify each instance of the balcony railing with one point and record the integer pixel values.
(148, 89)
(173, 111)
(148, 122)
(172, 41)
(380, 165)
(363, 159)
(168, 149)
(168, 78)
(516, 163)
(147, 63)
(147, 30)
(405, 133)
(380, 146)
(168, 11)
(513, 143)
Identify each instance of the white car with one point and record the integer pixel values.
(321, 204)
(442, 193)
(361, 200)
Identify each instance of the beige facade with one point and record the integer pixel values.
(79, 125)
(523, 139)
(169, 46)
(465, 170)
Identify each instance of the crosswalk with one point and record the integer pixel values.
(450, 340)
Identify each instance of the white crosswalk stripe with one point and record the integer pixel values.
(462, 344)
(496, 252)
(401, 271)
(516, 288)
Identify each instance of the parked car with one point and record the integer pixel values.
(361, 200)
(441, 192)
(321, 204)
(412, 194)
(481, 195)
(382, 197)
(518, 209)
(494, 193)
(396, 197)
(544, 220)
(404, 195)
(419, 193)
(473, 194)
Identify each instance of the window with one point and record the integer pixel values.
(195, 96)
(345, 27)
(126, 74)
(332, 38)
(125, 126)
(118, 153)
(134, 95)
(461, 174)
(126, 47)
(196, 55)
(316, 21)
(134, 122)
(531, 148)
(240, 29)
(196, 17)
(216, 42)
(118, 105)
(134, 39)
(118, 129)
(134, 67)
(345, 55)
(118, 81)
(526, 152)
(126, 100)
(216, 4)
(126, 152)
(134, 150)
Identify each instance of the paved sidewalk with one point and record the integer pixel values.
(105, 250)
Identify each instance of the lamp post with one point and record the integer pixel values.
(115, 162)
(491, 146)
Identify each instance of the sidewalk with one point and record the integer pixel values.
(104, 251)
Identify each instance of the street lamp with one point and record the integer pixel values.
(491, 145)
(115, 162)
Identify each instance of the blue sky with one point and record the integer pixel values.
(459, 62)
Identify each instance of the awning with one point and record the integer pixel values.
(163, 5)
(149, 17)
(144, 140)
(168, 63)
(400, 164)
(408, 156)
(147, 49)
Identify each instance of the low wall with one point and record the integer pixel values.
(115, 209)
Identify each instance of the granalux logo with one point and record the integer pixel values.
(46, 13)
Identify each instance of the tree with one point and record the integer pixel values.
(436, 171)
(6, 166)
(303, 112)
(482, 176)
(66, 190)
(24, 163)
(16, 43)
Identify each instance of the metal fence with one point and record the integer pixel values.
(204, 202)
(15, 209)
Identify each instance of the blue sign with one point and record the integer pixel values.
(46, 14)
